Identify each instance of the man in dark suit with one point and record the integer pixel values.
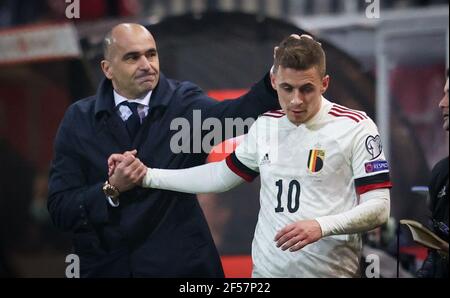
(436, 264)
(138, 232)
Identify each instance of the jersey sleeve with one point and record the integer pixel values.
(244, 160)
(369, 164)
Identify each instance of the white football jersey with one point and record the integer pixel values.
(316, 169)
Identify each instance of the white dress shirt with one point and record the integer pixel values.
(124, 112)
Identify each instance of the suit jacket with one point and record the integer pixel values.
(153, 233)
(436, 265)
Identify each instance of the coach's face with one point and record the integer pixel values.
(132, 63)
(299, 92)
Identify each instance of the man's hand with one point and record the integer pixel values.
(299, 234)
(128, 173)
(115, 159)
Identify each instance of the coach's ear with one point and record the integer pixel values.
(106, 67)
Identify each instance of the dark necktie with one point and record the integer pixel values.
(133, 123)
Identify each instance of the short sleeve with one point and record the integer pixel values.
(369, 164)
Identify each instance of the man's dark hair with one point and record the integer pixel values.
(300, 54)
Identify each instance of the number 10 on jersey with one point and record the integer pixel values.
(293, 197)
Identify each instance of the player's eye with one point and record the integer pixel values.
(306, 90)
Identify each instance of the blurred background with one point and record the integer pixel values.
(391, 64)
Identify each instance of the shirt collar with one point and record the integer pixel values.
(145, 101)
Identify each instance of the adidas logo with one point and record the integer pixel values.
(265, 160)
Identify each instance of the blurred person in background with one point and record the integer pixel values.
(139, 232)
(436, 264)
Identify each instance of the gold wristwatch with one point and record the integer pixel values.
(111, 191)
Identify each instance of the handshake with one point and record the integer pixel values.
(126, 171)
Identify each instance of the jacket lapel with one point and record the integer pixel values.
(104, 109)
(116, 127)
(159, 101)
(110, 122)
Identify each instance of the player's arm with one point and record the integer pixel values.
(214, 177)
(370, 213)
(209, 178)
(372, 183)
(239, 166)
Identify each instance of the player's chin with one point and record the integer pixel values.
(296, 117)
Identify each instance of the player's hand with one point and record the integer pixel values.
(129, 173)
(297, 235)
(115, 159)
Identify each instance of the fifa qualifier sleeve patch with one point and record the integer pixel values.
(373, 146)
(365, 184)
(240, 169)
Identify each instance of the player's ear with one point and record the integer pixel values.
(273, 80)
(325, 83)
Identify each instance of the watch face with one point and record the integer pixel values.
(110, 190)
